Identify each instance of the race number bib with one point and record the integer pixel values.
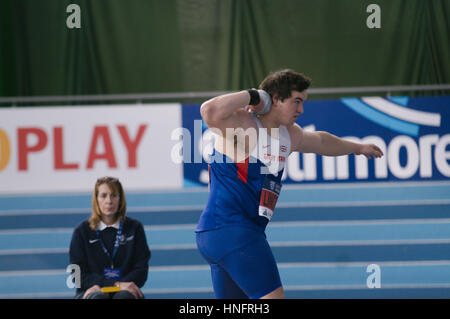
(269, 195)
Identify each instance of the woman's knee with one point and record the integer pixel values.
(123, 294)
(97, 295)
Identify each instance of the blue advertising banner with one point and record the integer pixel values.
(414, 134)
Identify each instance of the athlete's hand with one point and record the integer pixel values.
(255, 108)
(369, 150)
(265, 103)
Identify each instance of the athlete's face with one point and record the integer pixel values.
(290, 108)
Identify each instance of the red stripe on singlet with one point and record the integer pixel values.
(243, 170)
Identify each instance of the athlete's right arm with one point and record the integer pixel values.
(226, 111)
(221, 111)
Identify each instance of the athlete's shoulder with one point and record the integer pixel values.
(240, 119)
(246, 119)
(295, 133)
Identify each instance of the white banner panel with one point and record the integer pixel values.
(53, 149)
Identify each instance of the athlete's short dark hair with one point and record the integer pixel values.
(283, 82)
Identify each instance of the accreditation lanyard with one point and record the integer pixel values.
(116, 244)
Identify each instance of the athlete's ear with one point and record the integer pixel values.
(275, 99)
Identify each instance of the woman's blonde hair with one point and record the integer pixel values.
(115, 186)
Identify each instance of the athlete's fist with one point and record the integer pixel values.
(264, 105)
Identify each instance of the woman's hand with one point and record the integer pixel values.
(130, 287)
(91, 290)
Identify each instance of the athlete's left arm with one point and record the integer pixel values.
(327, 144)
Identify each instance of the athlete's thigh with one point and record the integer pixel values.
(213, 245)
(253, 268)
(224, 286)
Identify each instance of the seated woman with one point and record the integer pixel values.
(110, 249)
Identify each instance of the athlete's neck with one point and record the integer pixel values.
(270, 124)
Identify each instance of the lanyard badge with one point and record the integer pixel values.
(111, 271)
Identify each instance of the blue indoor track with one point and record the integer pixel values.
(323, 237)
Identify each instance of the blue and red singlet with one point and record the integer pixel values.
(242, 198)
(246, 193)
